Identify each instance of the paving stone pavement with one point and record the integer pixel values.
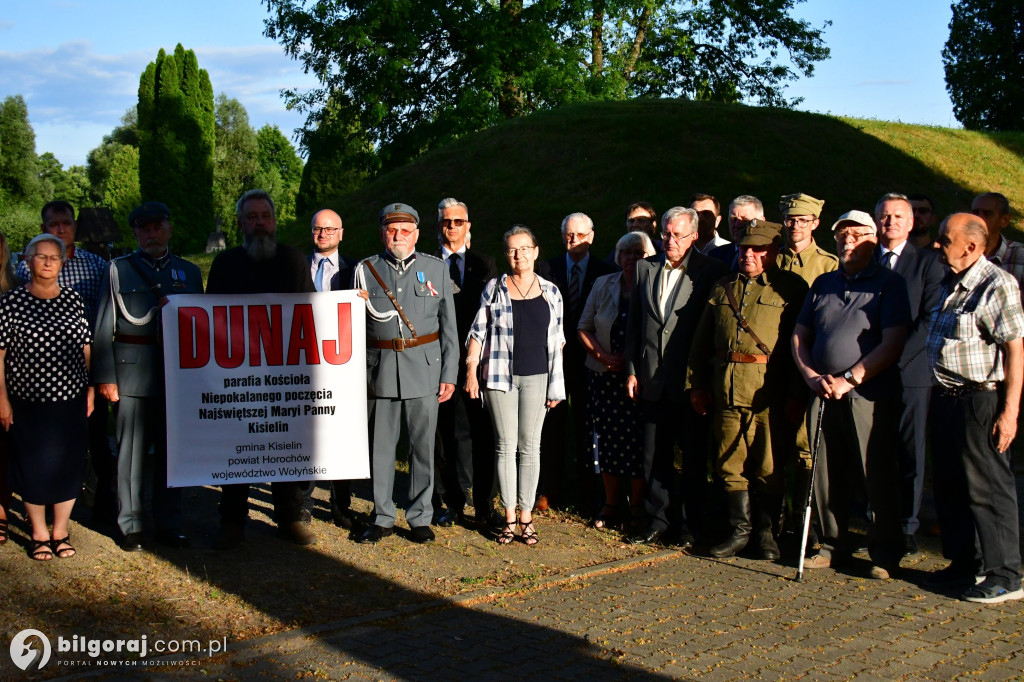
(669, 616)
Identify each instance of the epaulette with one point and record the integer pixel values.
(830, 256)
(421, 254)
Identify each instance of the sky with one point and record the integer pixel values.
(77, 62)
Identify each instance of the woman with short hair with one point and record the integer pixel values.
(44, 395)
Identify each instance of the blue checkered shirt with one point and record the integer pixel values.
(492, 328)
(974, 318)
(83, 273)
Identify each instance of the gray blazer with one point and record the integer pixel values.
(600, 312)
(658, 346)
(128, 354)
(414, 372)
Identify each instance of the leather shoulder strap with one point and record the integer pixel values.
(742, 321)
(394, 301)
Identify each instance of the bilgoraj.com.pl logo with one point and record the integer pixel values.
(31, 650)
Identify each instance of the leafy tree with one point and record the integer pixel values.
(410, 74)
(984, 62)
(57, 183)
(176, 141)
(280, 170)
(99, 159)
(121, 190)
(19, 166)
(235, 162)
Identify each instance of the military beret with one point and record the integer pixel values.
(149, 212)
(761, 233)
(800, 204)
(854, 218)
(398, 213)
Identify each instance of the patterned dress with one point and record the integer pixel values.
(613, 419)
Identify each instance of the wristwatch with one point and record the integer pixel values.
(850, 378)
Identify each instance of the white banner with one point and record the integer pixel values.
(265, 387)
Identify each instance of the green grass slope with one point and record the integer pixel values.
(599, 158)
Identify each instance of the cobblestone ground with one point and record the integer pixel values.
(671, 616)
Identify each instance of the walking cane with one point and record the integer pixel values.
(810, 493)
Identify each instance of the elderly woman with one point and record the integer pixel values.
(44, 398)
(8, 280)
(613, 419)
(516, 345)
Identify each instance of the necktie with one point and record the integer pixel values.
(574, 287)
(453, 269)
(888, 258)
(318, 281)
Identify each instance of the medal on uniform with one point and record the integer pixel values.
(433, 291)
(420, 278)
(179, 279)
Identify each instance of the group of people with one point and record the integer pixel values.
(578, 381)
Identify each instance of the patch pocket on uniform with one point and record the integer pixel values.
(128, 355)
(966, 325)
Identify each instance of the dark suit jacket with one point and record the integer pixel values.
(923, 273)
(342, 279)
(479, 270)
(554, 269)
(658, 346)
(727, 254)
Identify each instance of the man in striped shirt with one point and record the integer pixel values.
(977, 355)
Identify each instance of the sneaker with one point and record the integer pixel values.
(989, 592)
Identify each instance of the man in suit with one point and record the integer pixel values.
(573, 273)
(709, 214)
(412, 356)
(330, 271)
(922, 271)
(128, 368)
(464, 455)
(260, 266)
(742, 210)
(669, 296)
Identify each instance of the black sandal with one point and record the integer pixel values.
(40, 550)
(3, 531)
(529, 533)
(63, 553)
(507, 534)
(604, 521)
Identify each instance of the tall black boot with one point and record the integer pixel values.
(766, 508)
(738, 502)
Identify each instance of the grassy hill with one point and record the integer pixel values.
(599, 158)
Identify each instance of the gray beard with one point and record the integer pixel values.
(261, 247)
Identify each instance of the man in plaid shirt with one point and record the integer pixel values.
(977, 355)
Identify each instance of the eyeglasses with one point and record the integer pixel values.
(843, 235)
(577, 236)
(47, 259)
(453, 222)
(394, 231)
(798, 222)
(330, 231)
(669, 237)
(522, 251)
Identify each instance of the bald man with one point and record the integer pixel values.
(330, 271)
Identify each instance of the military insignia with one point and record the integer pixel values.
(433, 291)
(420, 278)
(178, 277)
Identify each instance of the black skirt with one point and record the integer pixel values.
(48, 441)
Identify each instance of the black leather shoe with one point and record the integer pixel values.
(132, 542)
(343, 520)
(647, 537)
(684, 540)
(375, 534)
(450, 518)
(421, 535)
(910, 544)
(172, 538)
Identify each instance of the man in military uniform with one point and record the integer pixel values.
(128, 367)
(412, 356)
(739, 367)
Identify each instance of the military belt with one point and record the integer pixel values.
(402, 344)
(137, 340)
(746, 358)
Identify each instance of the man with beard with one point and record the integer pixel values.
(848, 338)
(412, 362)
(128, 368)
(260, 266)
